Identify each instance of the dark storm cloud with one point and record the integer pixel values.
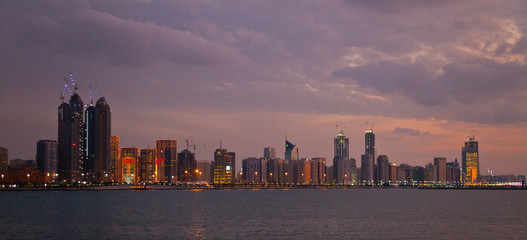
(409, 131)
(80, 31)
(466, 83)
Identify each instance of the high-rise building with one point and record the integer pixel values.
(273, 172)
(167, 160)
(440, 170)
(341, 164)
(367, 169)
(453, 172)
(224, 167)
(47, 159)
(419, 174)
(70, 139)
(368, 159)
(187, 167)
(470, 160)
(269, 153)
(393, 173)
(204, 171)
(147, 164)
(383, 169)
(4, 162)
(116, 172)
(291, 151)
(129, 162)
(103, 122)
(318, 170)
(89, 141)
(341, 145)
(252, 170)
(369, 143)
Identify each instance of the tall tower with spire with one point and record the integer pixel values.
(70, 135)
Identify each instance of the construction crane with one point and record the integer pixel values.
(192, 144)
(473, 134)
(101, 94)
(73, 83)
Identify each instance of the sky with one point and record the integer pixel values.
(422, 74)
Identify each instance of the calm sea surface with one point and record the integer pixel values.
(264, 214)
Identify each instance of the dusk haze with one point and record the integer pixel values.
(419, 105)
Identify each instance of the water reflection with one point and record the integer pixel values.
(196, 228)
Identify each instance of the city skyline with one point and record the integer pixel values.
(220, 72)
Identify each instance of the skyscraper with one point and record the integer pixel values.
(291, 151)
(470, 160)
(367, 168)
(147, 165)
(187, 166)
(383, 169)
(224, 167)
(70, 139)
(369, 143)
(116, 165)
(341, 164)
(102, 118)
(89, 141)
(341, 145)
(4, 162)
(47, 159)
(130, 161)
(269, 153)
(367, 160)
(167, 160)
(440, 170)
(252, 170)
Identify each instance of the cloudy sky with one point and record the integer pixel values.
(424, 74)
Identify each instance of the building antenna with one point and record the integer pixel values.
(220, 145)
(91, 97)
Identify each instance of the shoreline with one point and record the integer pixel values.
(125, 187)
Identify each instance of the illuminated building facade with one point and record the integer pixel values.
(4, 162)
(187, 167)
(367, 160)
(70, 139)
(116, 172)
(341, 164)
(128, 164)
(89, 141)
(470, 160)
(167, 160)
(47, 159)
(129, 159)
(224, 167)
(146, 167)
